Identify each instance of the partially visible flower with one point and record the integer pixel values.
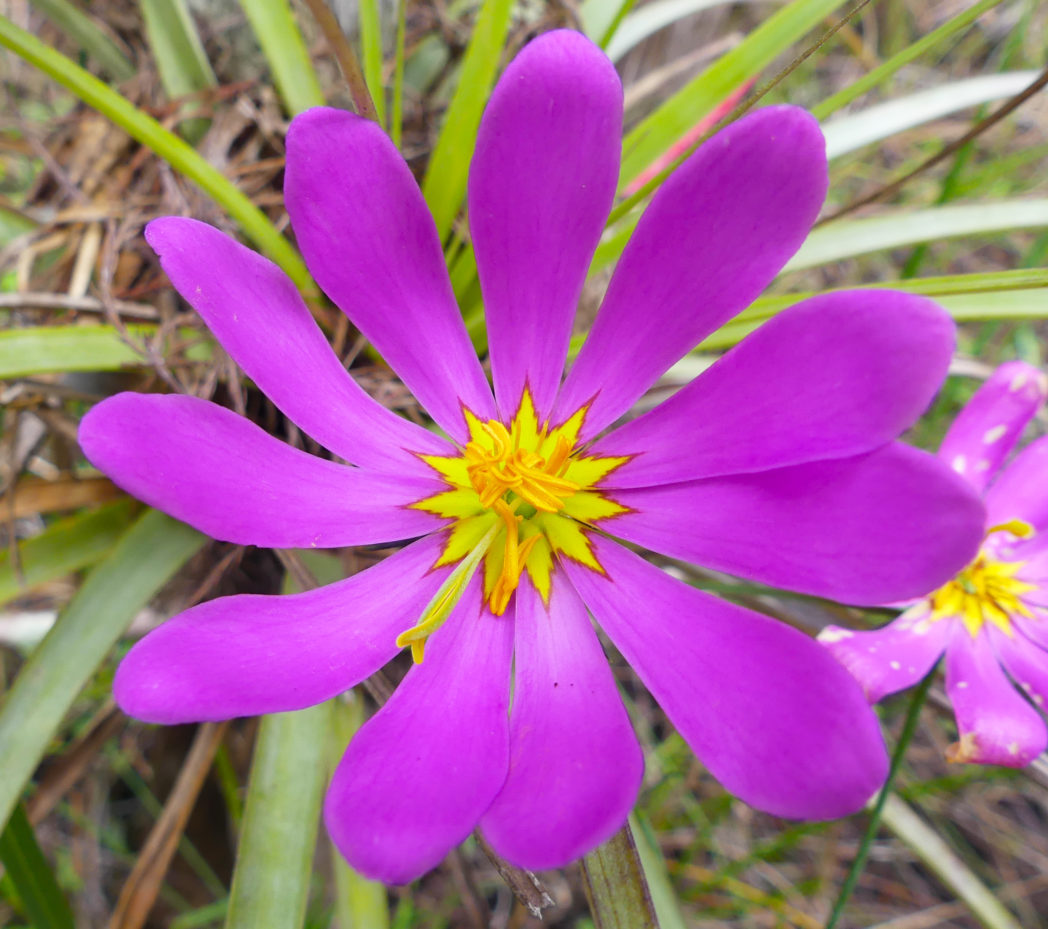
(776, 464)
(991, 620)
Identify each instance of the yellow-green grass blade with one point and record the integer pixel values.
(281, 815)
(42, 899)
(57, 349)
(285, 52)
(79, 27)
(657, 132)
(843, 239)
(65, 546)
(884, 71)
(371, 52)
(444, 184)
(179, 55)
(360, 903)
(146, 557)
(282, 810)
(175, 151)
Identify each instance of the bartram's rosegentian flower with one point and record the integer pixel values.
(777, 464)
(991, 620)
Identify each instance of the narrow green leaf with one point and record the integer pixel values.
(598, 17)
(946, 864)
(684, 109)
(281, 42)
(359, 903)
(282, 810)
(667, 909)
(47, 349)
(1019, 294)
(875, 123)
(444, 185)
(64, 546)
(836, 241)
(83, 30)
(396, 119)
(42, 898)
(649, 19)
(615, 885)
(179, 55)
(911, 53)
(144, 559)
(371, 49)
(281, 815)
(175, 151)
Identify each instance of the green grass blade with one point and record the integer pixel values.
(1019, 294)
(615, 884)
(444, 185)
(42, 898)
(845, 239)
(684, 109)
(179, 55)
(286, 53)
(649, 19)
(396, 119)
(851, 132)
(946, 864)
(49, 349)
(359, 903)
(371, 49)
(667, 909)
(144, 559)
(600, 17)
(912, 52)
(65, 546)
(175, 151)
(281, 815)
(82, 30)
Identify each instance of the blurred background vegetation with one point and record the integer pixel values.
(119, 111)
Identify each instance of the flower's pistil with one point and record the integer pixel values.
(525, 492)
(988, 590)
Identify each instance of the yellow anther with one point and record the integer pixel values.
(986, 591)
(521, 484)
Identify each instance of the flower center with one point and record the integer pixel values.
(519, 494)
(987, 590)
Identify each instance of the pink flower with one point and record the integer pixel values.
(776, 464)
(991, 620)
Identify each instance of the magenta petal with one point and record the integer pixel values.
(219, 472)
(575, 765)
(250, 654)
(371, 244)
(541, 184)
(892, 658)
(260, 319)
(419, 775)
(1021, 490)
(879, 528)
(988, 427)
(772, 715)
(834, 376)
(1025, 661)
(714, 236)
(996, 725)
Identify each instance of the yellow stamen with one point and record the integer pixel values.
(986, 591)
(445, 599)
(525, 482)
